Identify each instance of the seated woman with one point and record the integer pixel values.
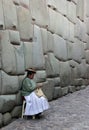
(34, 104)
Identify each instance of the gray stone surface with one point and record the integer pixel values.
(6, 118)
(1, 119)
(2, 26)
(10, 84)
(52, 65)
(70, 112)
(7, 103)
(16, 112)
(38, 60)
(48, 89)
(39, 12)
(9, 10)
(24, 23)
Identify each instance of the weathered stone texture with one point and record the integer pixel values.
(52, 65)
(71, 11)
(9, 84)
(7, 103)
(39, 12)
(2, 25)
(81, 9)
(60, 49)
(14, 37)
(6, 118)
(20, 65)
(10, 15)
(8, 55)
(38, 60)
(24, 23)
(55, 4)
(40, 76)
(48, 87)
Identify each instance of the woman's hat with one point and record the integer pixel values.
(31, 70)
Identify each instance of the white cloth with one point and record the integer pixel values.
(35, 105)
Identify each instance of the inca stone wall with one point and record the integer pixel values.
(51, 36)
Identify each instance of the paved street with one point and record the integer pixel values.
(70, 112)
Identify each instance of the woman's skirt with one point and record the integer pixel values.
(35, 104)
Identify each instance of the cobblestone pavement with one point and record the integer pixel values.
(70, 112)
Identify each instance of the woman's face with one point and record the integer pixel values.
(31, 76)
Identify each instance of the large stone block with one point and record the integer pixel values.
(71, 32)
(20, 64)
(1, 120)
(8, 54)
(69, 50)
(80, 9)
(65, 74)
(24, 23)
(40, 76)
(0, 82)
(6, 118)
(80, 70)
(10, 15)
(83, 69)
(16, 112)
(9, 83)
(2, 25)
(48, 89)
(14, 37)
(47, 41)
(57, 92)
(56, 26)
(87, 25)
(7, 103)
(87, 7)
(38, 60)
(80, 30)
(87, 73)
(39, 12)
(87, 43)
(55, 4)
(44, 40)
(19, 99)
(24, 3)
(50, 42)
(52, 65)
(57, 81)
(71, 89)
(87, 56)
(28, 54)
(78, 52)
(64, 91)
(71, 11)
(66, 30)
(60, 49)
(0, 57)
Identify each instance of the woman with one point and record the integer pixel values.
(34, 105)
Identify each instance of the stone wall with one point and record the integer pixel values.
(51, 36)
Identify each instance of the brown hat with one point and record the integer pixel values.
(31, 70)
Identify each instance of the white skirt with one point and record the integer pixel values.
(35, 104)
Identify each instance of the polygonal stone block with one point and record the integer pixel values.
(38, 60)
(60, 49)
(39, 12)
(24, 24)
(10, 15)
